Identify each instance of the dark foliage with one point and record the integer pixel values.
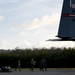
(55, 57)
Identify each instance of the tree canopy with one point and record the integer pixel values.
(55, 57)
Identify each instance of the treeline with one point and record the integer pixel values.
(55, 57)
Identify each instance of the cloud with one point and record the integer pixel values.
(39, 44)
(49, 44)
(2, 18)
(46, 20)
(3, 44)
(37, 1)
(8, 1)
(14, 44)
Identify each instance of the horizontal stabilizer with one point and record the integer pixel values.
(61, 39)
(54, 40)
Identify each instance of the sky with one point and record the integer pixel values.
(29, 23)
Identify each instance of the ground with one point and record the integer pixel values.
(37, 72)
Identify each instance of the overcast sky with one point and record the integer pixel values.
(28, 23)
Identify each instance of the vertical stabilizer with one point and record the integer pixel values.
(67, 21)
(66, 30)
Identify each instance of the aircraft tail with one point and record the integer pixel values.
(67, 22)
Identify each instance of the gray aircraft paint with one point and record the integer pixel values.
(67, 21)
(66, 31)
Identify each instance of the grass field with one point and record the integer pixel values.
(50, 71)
(47, 68)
